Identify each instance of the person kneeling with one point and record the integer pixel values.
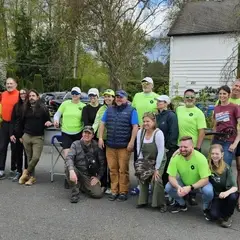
(85, 166)
(224, 186)
(192, 168)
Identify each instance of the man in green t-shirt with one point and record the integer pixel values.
(188, 172)
(145, 101)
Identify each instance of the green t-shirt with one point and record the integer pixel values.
(71, 116)
(232, 100)
(190, 171)
(223, 182)
(190, 120)
(144, 102)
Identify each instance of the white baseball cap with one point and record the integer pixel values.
(93, 91)
(76, 89)
(147, 79)
(164, 98)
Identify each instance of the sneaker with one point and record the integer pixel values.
(31, 181)
(226, 223)
(113, 197)
(11, 174)
(178, 208)
(2, 175)
(75, 198)
(108, 191)
(16, 177)
(206, 214)
(122, 197)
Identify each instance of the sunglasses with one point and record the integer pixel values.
(75, 93)
(92, 95)
(189, 97)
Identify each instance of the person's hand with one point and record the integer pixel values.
(56, 124)
(13, 139)
(181, 192)
(177, 152)
(48, 124)
(187, 189)
(20, 139)
(156, 175)
(73, 176)
(232, 147)
(100, 143)
(130, 146)
(94, 181)
(223, 195)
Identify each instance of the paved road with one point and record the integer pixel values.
(43, 212)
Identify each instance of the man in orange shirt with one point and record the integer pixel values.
(9, 99)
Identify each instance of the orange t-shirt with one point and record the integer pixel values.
(9, 99)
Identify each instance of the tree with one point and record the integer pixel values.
(38, 83)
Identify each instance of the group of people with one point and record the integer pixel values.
(98, 141)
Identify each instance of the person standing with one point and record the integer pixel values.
(226, 119)
(150, 164)
(15, 135)
(109, 96)
(168, 123)
(224, 186)
(121, 122)
(191, 122)
(33, 122)
(9, 99)
(72, 125)
(89, 111)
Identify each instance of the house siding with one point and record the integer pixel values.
(200, 61)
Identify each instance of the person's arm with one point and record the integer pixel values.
(201, 183)
(201, 125)
(13, 121)
(237, 139)
(85, 118)
(139, 143)
(172, 173)
(159, 140)
(98, 119)
(134, 122)
(173, 181)
(46, 116)
(70, 158)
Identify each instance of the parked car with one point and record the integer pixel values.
(46, 97)
(55, 103)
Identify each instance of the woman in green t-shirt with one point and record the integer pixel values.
(224, 186)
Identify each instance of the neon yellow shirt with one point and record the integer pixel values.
(190, 120)
(144, 102)
(71, 116)
(190, 171)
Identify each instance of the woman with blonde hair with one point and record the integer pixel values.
(150, 163)
(224, 186)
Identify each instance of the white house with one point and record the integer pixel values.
(204, 46)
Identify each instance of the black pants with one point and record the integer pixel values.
(223, 208)
(168, 155)
(17, 154)
(4, 141)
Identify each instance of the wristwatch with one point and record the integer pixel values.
(192, 187)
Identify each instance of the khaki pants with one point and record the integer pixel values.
(33, 146)
(118, 163)
(84, 183)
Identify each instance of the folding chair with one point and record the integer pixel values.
(56, 147)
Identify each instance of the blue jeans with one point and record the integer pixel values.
(228, 156)
(206, 191)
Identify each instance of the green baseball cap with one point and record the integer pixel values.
(109, 92)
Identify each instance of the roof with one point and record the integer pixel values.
(207, 17)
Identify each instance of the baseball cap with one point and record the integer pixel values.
(76, 90)
(147, 79)
(93, 91)
(164, 98)
(88, 129)
(109, 92)
(121, 93)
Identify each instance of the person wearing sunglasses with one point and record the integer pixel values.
(72, 125)
(90, 111)
(191, 122)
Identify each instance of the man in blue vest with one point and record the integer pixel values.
(121, 122)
